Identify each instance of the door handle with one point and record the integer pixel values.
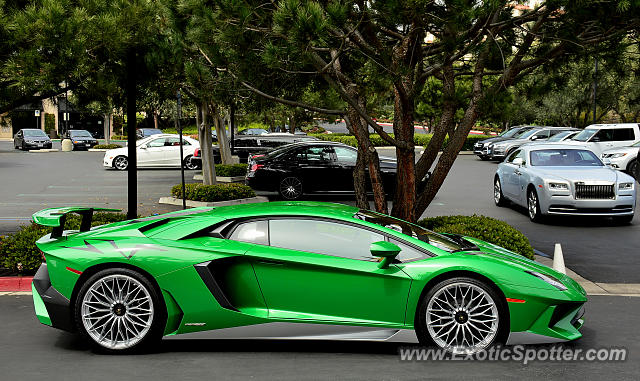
(518, 173)
(271, 262)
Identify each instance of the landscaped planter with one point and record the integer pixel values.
(195, 204)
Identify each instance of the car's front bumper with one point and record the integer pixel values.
(52, 308)
(622, 205)
(38, 145)
(557, 323)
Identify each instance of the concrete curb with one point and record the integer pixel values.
(196, 204)
(44, 150)
(223, 179)
(97, 150)
(595, 288)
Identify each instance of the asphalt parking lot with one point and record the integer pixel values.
(31, 181)
(32, 351)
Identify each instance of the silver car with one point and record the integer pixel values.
(500, 150)
(563, 180)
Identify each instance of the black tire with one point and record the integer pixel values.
(533, 205)
(290, 188)
(430, 335)
(24, 147)
(484, 157)
(158, 318)
(498, 197)
(190, 164)
(121, 163)
(632, 169)
(623, 220)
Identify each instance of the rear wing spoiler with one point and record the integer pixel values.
(56, 217)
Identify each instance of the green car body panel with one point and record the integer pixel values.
(259, 284)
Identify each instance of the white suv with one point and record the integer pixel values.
(602, 137)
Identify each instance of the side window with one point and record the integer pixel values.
(156, 143)
(175, 142)
(623, 134)
(313, 154)
(323, 237)
(541, 135)
(555, 132)
(346, 155)
(514, 155)
(252, 232)
(408, 253)
(605, 135)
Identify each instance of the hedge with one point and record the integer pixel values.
(231, 170)
(213, 193)
(19, 253)
(107, 146)
(118, 137)
(485, 228)
(377, 141)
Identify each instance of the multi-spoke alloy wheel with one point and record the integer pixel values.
(533, 206)
(498, 198)
(121, 163)
(461, 315)
(189, 163)
(291, 188)
(119, 310)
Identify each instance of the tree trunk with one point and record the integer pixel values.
(405, 192)
(292, 123)
(223, 140)
(206, 147)
(107, 128)
(155, 118)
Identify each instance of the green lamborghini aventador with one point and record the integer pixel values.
(307, 270)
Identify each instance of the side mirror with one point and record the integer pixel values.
(143, 146)
(385, 250)
(518, 161)
(535, 137)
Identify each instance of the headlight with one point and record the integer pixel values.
(615, 155)
(558, 186)
(549, 279)
(625, 186)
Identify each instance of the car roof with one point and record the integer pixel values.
(554, 145)
(289, 208)
(610, 126)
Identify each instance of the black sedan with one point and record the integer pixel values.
(29, 138)
(311, 167)
(81, 139)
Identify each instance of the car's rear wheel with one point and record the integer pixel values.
(121, 163)
(462, 315)
(533, 206)
(498, 197)
(118, 310)
(290, 188)
(484, 157)
(189, 163)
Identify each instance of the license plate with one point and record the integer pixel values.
(40, 144)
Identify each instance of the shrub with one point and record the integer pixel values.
(118, 137)
(485, 228)
(18, 251)
(107, 146)
(231, 170)
(213, 193)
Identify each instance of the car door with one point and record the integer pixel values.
(511, 176)
(322, 270)
(152, 153)
(315, 167)
(171, 151)
(345, 162)
(602, 141)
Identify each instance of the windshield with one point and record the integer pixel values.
(559, 136)
(512, 132)
(80, 133)
(584, 135)
(415, 231)
(564, 158)
(34, 133)
(526, 133)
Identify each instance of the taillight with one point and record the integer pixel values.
(196, 153)
(255, 167)
(44, 259)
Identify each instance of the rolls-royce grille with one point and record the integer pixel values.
(595, 192)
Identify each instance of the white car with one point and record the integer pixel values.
(601, 137)
(155, 151)
(624, 158)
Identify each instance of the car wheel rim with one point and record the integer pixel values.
(291, 188)
(117, 311)
(533, 204)
(497, 191)
(121, 162)
(189, 164)
(462, 318)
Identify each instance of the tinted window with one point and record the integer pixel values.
(346, 155)
(407, 252)
(170, 142)
(603, 136)
(252, 232)
(80, 133)
(323, 237)
(514, 156)
(584, 135)
(34, 133)
(564, 158)
(541, 135)
(622, 134)
(313, 154)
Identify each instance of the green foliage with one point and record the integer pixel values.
(213, 193)
(107, 146)
(49, 123)
(18, 251)
(231, 170)
(481, 227)
(377, 141)
(118, 137)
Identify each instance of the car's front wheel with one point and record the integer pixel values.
(533, 206)
(121, 163)
(632, 169)
(498, 197)
(290, 188)
(462, 315)
(118, 310)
